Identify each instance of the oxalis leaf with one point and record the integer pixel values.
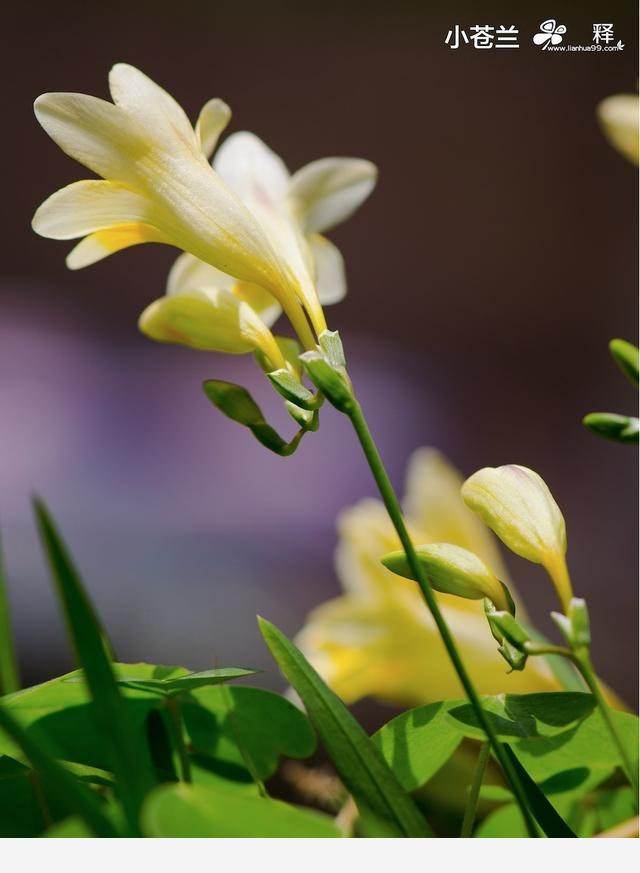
(192, 811)
(360, 764)
(130, 758)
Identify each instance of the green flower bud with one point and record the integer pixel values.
(517, 505)
(626, 357)
(332, 381)
(453, 570)
(575, 625)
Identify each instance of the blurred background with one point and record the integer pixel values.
(486, 275)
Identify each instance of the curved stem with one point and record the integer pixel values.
(392, 504)
(474, 791)
(582, 660)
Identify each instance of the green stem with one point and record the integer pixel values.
(582, 660)
(474, 791)
(9, 676)
(175, 716)
(392, 504)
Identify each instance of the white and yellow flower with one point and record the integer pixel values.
(517, 505)
(255, 229)
(378, 639)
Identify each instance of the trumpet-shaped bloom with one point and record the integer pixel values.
(618, 116)
(378, 639)
(517, 505)
(246, 218)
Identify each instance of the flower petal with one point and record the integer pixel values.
(189, 273)
(214, 117)
(255, 173)
(92, 131)
(212, 320)
(331, 282)
(103, 243)
(618, 116)
(326, 192)
(259, 300)
(86, 206)
(151, 106)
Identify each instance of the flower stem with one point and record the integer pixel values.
(582, 660)
(392, 504)
(474, 791)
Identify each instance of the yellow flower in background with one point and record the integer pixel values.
(246, 218)
(618, 117)
(378, 639)
(517, 505)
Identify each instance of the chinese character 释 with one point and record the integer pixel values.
(507, 37)
(602, 33)
(456, 37)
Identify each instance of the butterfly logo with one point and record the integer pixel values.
(550, 33)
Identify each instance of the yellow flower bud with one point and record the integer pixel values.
(518, 506)
(453, 570)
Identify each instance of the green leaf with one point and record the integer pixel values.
(191, 811)
(611, 426)
(504, 823)
(626, 356)
(358, 761)
(188, 681)
(70, 828)
(131, 764)
(549, 820)
(238, 405)
(247, 727)
(417, 743)
(9, 676)
(62, 784)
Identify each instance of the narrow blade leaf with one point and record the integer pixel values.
(358, 761)
(549, 820)
(131, 764)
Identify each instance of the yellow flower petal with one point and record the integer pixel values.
(210, 320)
(87, 206)
(92, 131)
(214, 117)
(331, 282)
(326, 192)
(253, 171)
(618, 116)
(103, 243)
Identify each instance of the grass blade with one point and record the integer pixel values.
(131, 764)
(358, 761)
(63, 783)
(9, 676)
(545, 814)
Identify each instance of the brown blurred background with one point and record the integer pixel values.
(487, 273)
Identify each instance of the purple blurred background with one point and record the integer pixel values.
(487, 274)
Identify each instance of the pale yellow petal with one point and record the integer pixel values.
(84, 207)
(331, 282)
(327, 192)
(210, 320)
(189, 272)
(149, 104)
(253, 171)
(618, 116)
(92, 131)
(214, 117)
(260, 300)
(103, 243)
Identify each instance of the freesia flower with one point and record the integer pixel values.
(618, 117)
(517, 505)
(246, 219)
(378, 639)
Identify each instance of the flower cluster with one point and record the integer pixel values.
(251, 233)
